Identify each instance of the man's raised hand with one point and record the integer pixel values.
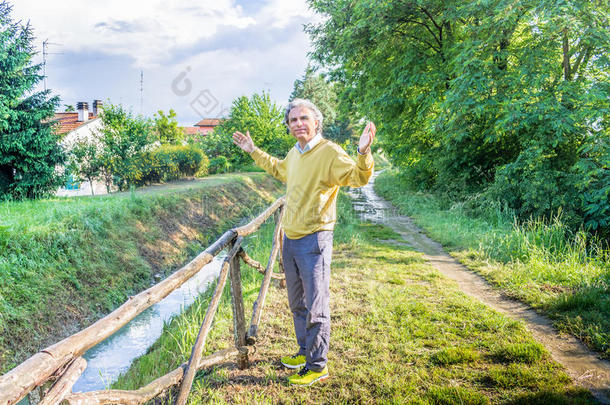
(243, 141)
(366, 139)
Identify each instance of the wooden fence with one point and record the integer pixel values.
(62, 364)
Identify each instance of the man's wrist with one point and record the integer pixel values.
(365, 152)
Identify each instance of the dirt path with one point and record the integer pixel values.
(585, 368)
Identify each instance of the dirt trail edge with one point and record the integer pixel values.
(583, 365)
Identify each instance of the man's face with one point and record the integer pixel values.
(302, 124)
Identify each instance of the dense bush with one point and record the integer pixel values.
(219, 164)
(171, 162)
(124, 139)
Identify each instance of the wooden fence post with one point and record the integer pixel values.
(197, 352)
(239, 319)
(282, 281)
(257, 308)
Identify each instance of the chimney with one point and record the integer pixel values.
(97, 107)
(83, 111)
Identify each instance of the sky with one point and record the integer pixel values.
(196, 56)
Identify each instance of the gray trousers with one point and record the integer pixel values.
(307, 267)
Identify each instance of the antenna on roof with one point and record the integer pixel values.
(45, 52)
(141, 91)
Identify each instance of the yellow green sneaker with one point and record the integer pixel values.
(306, 377)
(296, 361)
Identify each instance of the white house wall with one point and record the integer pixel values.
(86, 131)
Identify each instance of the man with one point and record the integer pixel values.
(313, 171)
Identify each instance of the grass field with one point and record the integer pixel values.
(401, 333)
(559, 272)
(64, 262)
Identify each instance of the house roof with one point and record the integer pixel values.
(209, 122)
(68, 121)
(193, 130)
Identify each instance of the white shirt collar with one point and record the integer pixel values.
(312, 142)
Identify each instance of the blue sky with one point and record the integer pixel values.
(197, 56)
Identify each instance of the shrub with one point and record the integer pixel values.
(171, 162)
(219, 164)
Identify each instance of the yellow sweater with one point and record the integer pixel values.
(312, 184)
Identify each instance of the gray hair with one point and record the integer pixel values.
(301, 102)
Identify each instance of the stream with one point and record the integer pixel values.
(113, 356)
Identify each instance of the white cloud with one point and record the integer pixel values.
(145, 30)
(232, 49)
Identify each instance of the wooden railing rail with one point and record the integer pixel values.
(62, 362)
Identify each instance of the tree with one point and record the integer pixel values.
(505, 99)
(165, 127)
(123, 137)
(29, 149)
(84, 160)
(265, 121)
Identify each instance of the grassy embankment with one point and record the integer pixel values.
(64, 262)
(563, 274)
(402, 333)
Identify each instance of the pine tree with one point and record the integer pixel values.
(29, 149)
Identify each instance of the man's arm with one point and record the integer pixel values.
(270, 164)
(346, 172)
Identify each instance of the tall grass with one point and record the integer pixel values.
(540, 261)
(66, 261)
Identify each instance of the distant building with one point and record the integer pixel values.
(202, 128)
(74, 126)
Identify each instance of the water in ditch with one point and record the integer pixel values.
(110, 358)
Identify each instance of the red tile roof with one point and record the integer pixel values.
(68, 121)
(209, 122)
(193, 130)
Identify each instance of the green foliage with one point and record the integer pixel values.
(84, 160)
(262, 117)
(171, 162)
(219, 164)
(508, 99)
(166, 129)
(594, 182)
(29, 149)
(123, 138)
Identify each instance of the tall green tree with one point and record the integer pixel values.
(257, 114)
(29, 149)
(166, 129)
(123, 137)
(508, 98)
